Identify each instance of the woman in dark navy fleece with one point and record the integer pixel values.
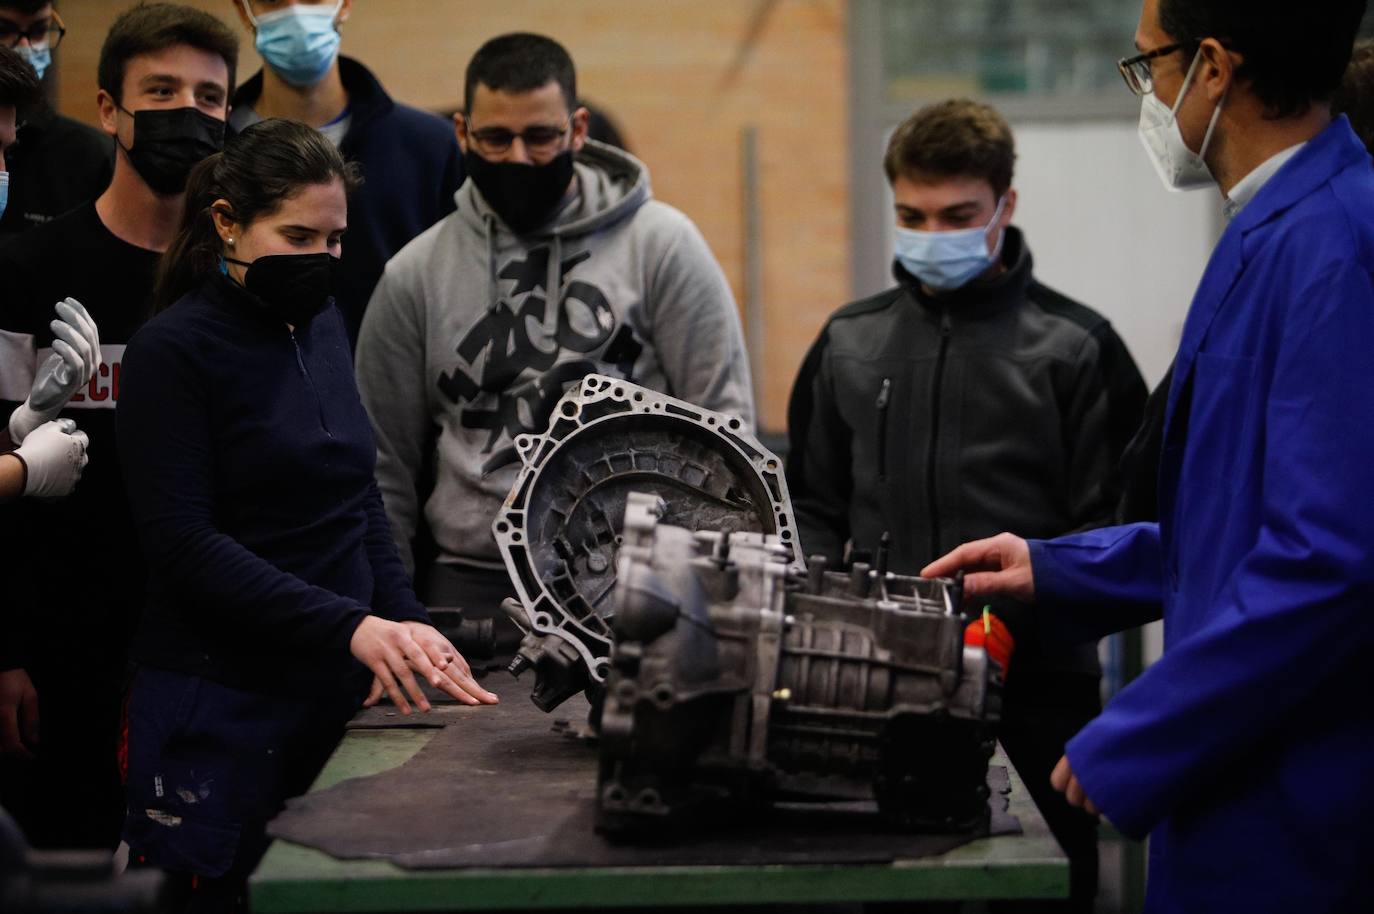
(276, 592)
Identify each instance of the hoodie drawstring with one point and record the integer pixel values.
(552, 287)
(493, 286)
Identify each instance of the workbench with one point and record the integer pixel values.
(296, 878)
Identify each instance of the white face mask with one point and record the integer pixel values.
(1177, 166)
(948, 260)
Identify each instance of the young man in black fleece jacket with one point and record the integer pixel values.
(967, 400)
(409, 158)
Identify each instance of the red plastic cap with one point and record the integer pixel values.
(991, 634)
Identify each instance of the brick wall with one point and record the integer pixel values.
(684, 78)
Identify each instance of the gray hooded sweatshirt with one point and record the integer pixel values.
(460, 351)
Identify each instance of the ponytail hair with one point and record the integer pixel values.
(258, 170)
(196, 249)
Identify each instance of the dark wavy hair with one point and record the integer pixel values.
(1292, 54)
(954, 137)
(520, 62)
(152, 27)
(1355, 98)
(258, 171)
(27, 7)
(18, 85)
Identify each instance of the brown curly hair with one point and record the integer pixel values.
(955, 137)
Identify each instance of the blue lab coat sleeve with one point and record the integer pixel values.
(1296, 607)
(1099, 582)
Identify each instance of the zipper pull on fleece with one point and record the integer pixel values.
(885, 393)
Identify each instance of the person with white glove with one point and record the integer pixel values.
(75, 359)
(83, 570)
(47, 465)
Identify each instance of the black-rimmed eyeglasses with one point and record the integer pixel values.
(40, 34)
(536, 139)
(1136, 70)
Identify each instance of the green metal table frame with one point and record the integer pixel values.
(294, 879)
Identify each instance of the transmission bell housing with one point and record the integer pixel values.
(559, 530)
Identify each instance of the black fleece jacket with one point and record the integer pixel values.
(941, 419)
(56, 165)
(249, 465)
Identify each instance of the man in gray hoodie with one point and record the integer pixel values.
(555, 264)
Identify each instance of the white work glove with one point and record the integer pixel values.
(54, 455)
(74, 361)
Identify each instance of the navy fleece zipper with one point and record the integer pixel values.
(310, 382)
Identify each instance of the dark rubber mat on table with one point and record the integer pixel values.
(512, 786)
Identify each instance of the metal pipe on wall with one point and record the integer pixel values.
(753, 257)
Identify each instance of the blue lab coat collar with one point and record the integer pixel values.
(1328, 153)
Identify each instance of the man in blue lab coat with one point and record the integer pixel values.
(1246, 751)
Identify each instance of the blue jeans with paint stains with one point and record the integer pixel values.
(210, 765)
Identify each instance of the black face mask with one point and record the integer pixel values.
(524, 196)
(168, 142)
(292, 287)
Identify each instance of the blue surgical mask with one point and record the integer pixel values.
(299, 42)
(4, 191)
(948, 260)
(38, 58)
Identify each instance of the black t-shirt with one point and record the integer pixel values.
(55, 165)
(77, 556)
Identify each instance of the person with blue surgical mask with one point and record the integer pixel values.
(409, 158)
(58, 163)
(969, 397)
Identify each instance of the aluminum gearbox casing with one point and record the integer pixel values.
(736, 678)
(654, 552)
(559, 530)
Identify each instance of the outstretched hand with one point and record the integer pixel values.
(997, 566)
(396, 651)
(456, 679)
